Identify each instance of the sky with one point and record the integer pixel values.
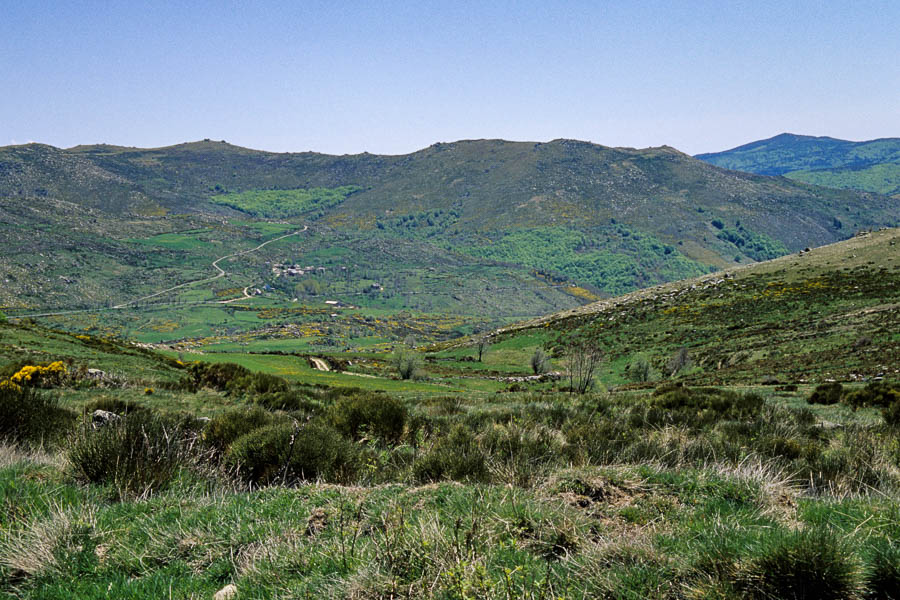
(392, 77)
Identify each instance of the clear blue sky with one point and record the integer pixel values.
(393, 77)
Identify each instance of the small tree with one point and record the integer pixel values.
(680, 361)
(407, 362)
(640, 369)
(482, 345)
(540, 362)
(410, 341)
(582, 360)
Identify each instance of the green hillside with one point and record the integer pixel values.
(872, 166)
(831, 313)
(210, 241)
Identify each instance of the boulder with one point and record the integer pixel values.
(226, 593)
(102, 418)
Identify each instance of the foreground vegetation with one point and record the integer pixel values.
(288, 490)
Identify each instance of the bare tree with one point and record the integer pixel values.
(482, 345)
(679, 361)
(582, 360)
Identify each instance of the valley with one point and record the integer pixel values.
(408, 377)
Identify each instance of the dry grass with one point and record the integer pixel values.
(43, 547)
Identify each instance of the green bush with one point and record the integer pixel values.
(522, 453)
(223, 429)
(138, 455)
(368, 413)
(640, 369)
(807, 564)
(456, 456)
(697, 407)
(216, 376)
(876, 393)
(289, 452)
(288, 401)
(407, 363)
(826, 393)
(254, 384)
(540, 362)
(30, 416)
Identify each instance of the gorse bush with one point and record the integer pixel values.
(138, 455)
(366, 413)
(288, 452)
(37, 376)
(30, 416)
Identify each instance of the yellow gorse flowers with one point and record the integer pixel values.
(36, 375)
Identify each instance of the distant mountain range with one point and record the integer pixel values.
(872, 166)
(78, 223)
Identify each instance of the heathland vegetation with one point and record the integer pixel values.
(732, 436)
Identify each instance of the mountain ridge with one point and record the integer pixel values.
(870, 165)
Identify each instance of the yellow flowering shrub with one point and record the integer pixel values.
(38, 375)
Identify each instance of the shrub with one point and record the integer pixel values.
(826, 393)
(216, 376)
(697, 407)
(456, 456)
(38, 376)
(253, 384)
(540, 362)
(113, 405)
(891, 414)
(876, 393)
(407, 362)
(289, 451)
(640, 369)
(360, 413)
(27, 415)
(798, 565)
(138, 455)
(287, 401)
(223, 429)
(519, 454)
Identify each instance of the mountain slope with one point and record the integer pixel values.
(871, 166)
(96, 224)
(829, 313)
